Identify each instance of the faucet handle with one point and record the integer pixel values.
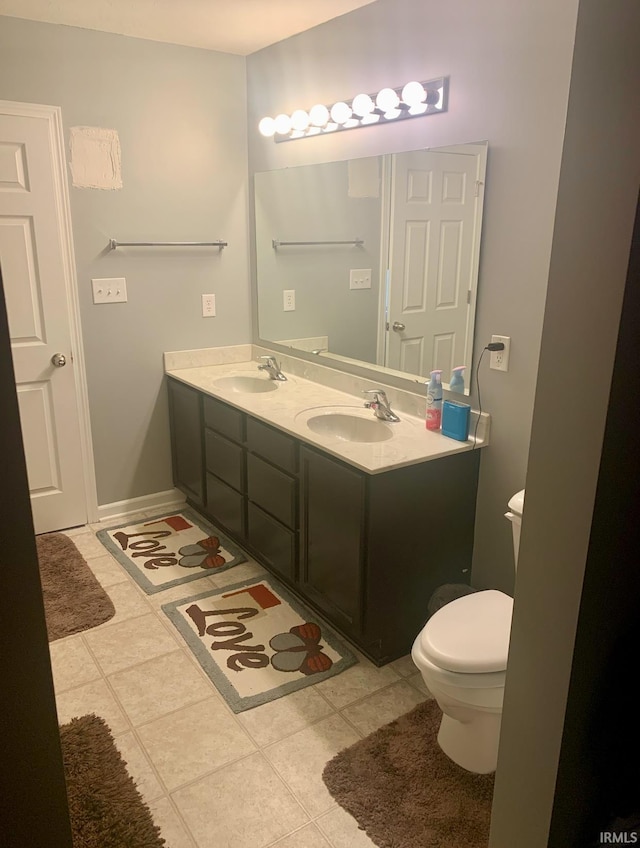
(378, 394)
(268, 357)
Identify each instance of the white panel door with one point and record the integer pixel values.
(431, 260)
(35, 283)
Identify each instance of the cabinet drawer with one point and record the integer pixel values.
(273, 541)
(271, 489)
(225, 505)
(225, 459)
(223, 418)
(273, 445)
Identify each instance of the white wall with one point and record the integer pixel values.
(509, 65)
(180, 116)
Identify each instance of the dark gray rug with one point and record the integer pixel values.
(405, 793)
(73, 598)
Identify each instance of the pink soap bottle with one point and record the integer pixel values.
(434, 401)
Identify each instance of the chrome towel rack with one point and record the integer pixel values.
(276, 243)
(113, 244)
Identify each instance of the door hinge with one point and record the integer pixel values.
(478, 184)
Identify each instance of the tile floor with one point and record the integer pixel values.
(214, 779)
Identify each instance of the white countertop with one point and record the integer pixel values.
(287, 407)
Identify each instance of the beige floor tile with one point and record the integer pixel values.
(107, 570)
(183, 590)
(71, 663)
(356, 682)
(343, 831)
(159, 686)
(249, 570)
(120, 646)
(382, 707)
(88, 545)
(128, 601)
(284, 716)
(244, 805)
(417, 682)
(301, 758)
(171, 826)
(139, 767)
(405, 666)
(307, 837)
(187, 744)
(94, 697)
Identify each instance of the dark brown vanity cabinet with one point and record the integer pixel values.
(365, 550)
(185, 415)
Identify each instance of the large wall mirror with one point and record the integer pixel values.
(373, 261)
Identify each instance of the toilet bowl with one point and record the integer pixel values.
(461, 653)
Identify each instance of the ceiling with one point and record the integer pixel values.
(230, 26)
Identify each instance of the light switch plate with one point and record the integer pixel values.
(109, 290)
(360, 278)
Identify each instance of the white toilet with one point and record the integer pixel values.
(461, 653)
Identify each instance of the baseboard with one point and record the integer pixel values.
(171, 499)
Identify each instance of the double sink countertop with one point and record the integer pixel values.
(303, 408)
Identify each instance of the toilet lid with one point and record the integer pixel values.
(470, 634)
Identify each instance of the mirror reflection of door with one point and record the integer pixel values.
(432, 261)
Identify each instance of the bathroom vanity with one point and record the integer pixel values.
(364, 547)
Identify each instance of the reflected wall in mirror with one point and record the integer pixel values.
(382, 255)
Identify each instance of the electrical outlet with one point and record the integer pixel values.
(500, 358)
(109, 290)
(208, 305)
(360, 278)
(289, 300)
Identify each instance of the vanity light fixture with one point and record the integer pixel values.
(388, 105)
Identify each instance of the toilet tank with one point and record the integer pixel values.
(516, 505)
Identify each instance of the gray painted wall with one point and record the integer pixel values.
(598, 192)
(509, 65)
(180, 115)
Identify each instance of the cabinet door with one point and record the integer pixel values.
(185, 416)
(332, 537)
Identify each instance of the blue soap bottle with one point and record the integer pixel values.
(456, 384)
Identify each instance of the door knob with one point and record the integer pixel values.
(59, 360)
(397, 326)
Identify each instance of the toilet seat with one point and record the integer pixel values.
(469, 635)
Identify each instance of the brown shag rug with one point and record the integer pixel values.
(405, 793)
(73, 598)
(105, 808)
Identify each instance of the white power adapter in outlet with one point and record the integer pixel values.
(500, 358)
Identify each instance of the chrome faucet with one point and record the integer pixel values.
(380, 405)
(272, 368)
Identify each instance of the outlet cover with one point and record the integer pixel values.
(109, 290)
(500, 358)
(289, 300)
(360, 278)
(208, 305)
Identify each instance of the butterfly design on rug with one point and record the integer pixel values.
(300, 650)
(204, 554)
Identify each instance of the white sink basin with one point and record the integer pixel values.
(347, 424)
(245, 384)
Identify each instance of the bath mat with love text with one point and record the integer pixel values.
(257, 642)
(170, 549)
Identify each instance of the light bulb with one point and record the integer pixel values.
(319, 115)
(418, 109)
(283, 124)
(387, 99)
(392, 113)
(300, 120)
(267, 127)
(340, 113)
(373, 118)
(413, 93)
(362, 105)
